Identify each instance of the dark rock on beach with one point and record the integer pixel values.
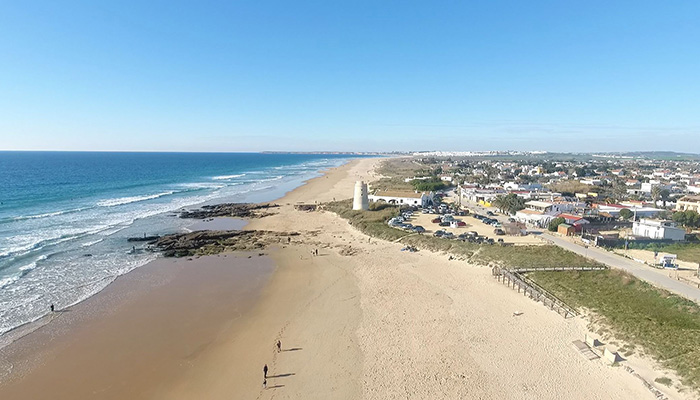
(143, 238)
(239, 210)
(214, 242)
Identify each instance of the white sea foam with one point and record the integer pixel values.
(32, 265)
(8, 280)
(227, 177)
(276, 178)
(133, 199)
(88, 244)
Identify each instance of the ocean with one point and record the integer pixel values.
(65, 216)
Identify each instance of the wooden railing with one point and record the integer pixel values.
(513, 277)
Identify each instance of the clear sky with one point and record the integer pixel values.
(350, 75)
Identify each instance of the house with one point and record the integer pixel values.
(533, 217)
(647, 187)
(404, 198)
(566, 230)
(635, 207)
(481, 196)
(551, 208)
(657, 229)
(688, 203)
(574, 221)
(594, 182)
(512, 186)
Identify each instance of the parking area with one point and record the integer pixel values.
(472, 224)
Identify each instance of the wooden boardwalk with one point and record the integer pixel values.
(514, 278)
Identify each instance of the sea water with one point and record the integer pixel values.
(65, 216)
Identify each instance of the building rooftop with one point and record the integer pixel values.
(690, 198)
(535, 203)
(531, 212)
(569, 216)
(398, 193)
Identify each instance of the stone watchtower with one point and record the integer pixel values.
(360, 200)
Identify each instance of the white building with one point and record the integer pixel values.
(522, 186)
(552, 208)
(404, 198)
(688, 203)
(654, 229)
(539, 213)
(594, 182)
(647, 187)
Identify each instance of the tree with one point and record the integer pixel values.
(554, 224)
(428, 185)
(687, 218)
(665, 214)
(510, 203)
(626, 213)
(664, 194)
(655, 193)
(619, 191)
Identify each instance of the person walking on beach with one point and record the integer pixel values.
(52, 308)
(265, 371)
(279, 346)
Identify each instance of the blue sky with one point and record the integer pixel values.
(355, 75)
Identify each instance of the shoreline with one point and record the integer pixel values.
(18, 332)
(18, 336)
(365, 320)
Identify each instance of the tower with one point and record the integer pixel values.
(360, 200)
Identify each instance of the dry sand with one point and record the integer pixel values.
(361, 320)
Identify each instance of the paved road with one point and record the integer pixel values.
(641, 271)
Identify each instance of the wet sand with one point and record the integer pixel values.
(138, 335)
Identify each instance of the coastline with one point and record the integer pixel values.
(28, 352)
(364, 320)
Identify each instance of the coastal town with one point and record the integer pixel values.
(629, 203)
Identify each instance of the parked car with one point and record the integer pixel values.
(448, 235)
(511, 219)
(418, 229)
(460, 224)
(473, 233)
(499, 232)
(490, 214)
(436, 220)
(439, 233)
(462, 236)
(444, 224)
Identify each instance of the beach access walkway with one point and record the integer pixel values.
(641, 271)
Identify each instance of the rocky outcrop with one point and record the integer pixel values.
(143, 238)
(239, 210)
(214, 242)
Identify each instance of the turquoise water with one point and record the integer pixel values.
(65, 217)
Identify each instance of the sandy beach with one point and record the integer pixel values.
(360, 320)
